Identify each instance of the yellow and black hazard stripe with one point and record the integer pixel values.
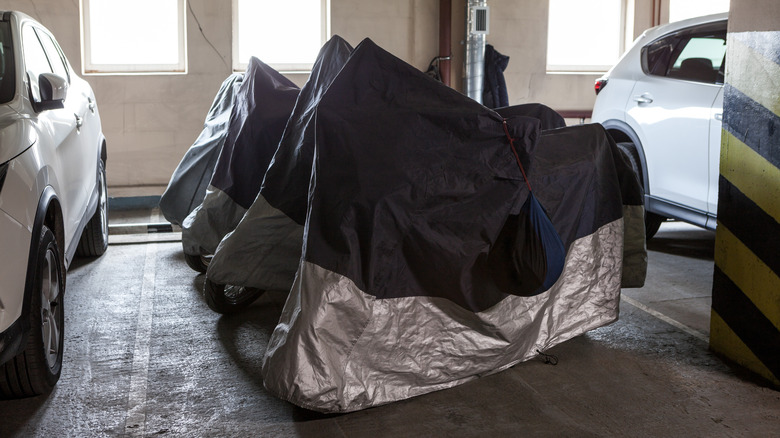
(745, 323)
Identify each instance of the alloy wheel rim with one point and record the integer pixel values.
(238, 294)
(103, 205)
(51, 315)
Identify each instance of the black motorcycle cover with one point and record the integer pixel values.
(412, 189)
(549, 118)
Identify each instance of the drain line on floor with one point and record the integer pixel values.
(136, 398)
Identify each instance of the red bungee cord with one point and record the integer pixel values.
(517, 157)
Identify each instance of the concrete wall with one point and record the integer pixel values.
(408, 29)
(745, 317)
(151, 120)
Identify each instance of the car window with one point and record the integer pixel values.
(694, 57)
(656, 56)
(35, 61)
(700, 58)
(7, 73)
(54, 54)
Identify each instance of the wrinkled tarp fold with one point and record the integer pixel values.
(549, 118)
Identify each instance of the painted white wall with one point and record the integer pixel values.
(151, 120)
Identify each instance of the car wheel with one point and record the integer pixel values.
(198, 263)
(652, 224)
(223, 298)
(37, 369)
(94, 238)
(652, 221)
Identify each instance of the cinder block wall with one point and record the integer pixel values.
(745, 321)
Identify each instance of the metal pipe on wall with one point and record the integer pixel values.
(475, 54)
(656, 17)
(445, 40)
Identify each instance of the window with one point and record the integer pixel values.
(54, 54)
(700, 59)
(682, 9)
(41, 55)
(656, 56)
(287, 35)
(7, 73)
(694, 57)
(585, 35)
(35, 61)
(134, 36)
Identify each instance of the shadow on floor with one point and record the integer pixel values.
(684, 240)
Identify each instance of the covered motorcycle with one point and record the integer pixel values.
(187, 186)
(265, 249)
(411, 277)
(263, 104)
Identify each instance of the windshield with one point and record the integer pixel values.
(7, 79)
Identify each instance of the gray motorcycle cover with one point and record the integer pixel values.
(188, 183)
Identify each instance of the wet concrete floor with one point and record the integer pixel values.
(145, 356)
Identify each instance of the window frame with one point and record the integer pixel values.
(90, 68)
(625, 14)
(293, 68)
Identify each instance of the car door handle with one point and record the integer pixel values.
(718, 117)
(91, 105)
(79, 121)
(645, 98)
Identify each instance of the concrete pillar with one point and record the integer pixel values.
(745, 322)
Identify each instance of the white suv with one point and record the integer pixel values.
(662, 103)
(52, 198)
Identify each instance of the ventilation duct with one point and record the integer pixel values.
(477, 27)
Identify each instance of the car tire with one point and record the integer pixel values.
(37, 369)
(227, 299)
(94, 238)
(198, 263)
(652, 224)
(652, 221)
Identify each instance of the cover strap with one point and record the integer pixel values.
(517, 157)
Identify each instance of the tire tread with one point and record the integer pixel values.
(196, 263)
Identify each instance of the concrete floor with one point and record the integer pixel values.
(146, 357)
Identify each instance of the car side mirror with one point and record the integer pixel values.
(53, 89)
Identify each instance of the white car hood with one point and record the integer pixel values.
(16, 133)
